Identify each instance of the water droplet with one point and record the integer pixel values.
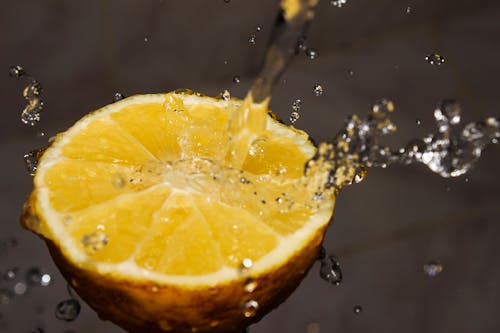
(20, 288)
(243, 180)
(408, 10)
(226, 62)
(250, 308)
(252, 39)
(10, 274)
(294, 116)
(118, 181)
(31, 159)
(250, 285)
(350, 72)
(236, 79)
(246, 265)
(45, 280)
(338, 3)
(226, 95)
(330, 270)
(313, 327)
(433, 268)
(318, 89)
(31, 113)
(16, 71)
(146, 39)
(258, 28)
(418, 121)
(5, 296)
(118, 96)
(311, 53)
(358, 309)
(95, 241)
(34, 276)
(68, 310)
(435, 59)
(296, 105)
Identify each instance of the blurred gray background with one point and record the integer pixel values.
(385, 229)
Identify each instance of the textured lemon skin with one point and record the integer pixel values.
(141, 306)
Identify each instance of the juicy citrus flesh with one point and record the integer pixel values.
(145, 192)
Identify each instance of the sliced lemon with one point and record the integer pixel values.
(146, 216)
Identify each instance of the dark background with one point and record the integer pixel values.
(385, 229)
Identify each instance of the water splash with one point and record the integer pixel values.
(450, 152)
(32, 93)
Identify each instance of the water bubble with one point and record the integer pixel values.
(311, 53)
(118, 96)
(252, 39)
(313, 327)
(16, 71)
(236, 79)
(20, 288)
(95, 241)
(68, 310)
(318, 89)
(330, 270)
(418, 121)
(433, 268)
(226, 95)
(435, 59)
(294, 116)
(250, 308)
(258, 28)
(357, 309)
